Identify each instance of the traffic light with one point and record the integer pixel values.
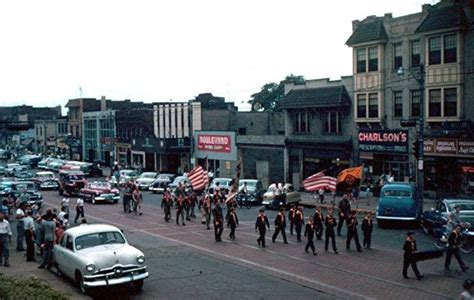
(416, 149)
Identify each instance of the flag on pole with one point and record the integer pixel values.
(319, 181)
(198, 178)
(234, 189)
(349, 178)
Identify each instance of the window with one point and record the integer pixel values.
(302, 122)
(373, 105)
(415, 53)
(397, 104)
(373, 59)
(450, 48)
(242, 131)
(361, 61)
(450, 108)
(415, 103)
(362, 106)
(332, 122)
(434, 55)
(435, 103)
(397, 56)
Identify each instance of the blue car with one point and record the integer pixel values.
(398, 202)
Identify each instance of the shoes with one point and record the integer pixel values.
(406, 277)
(40, 267)
(314, 253)
(447, 270)
(258, 241)
(306, 250)
(184, 224)
(208, 228)
(6, 264)
(299, 241)
(336, 252)
(273, 241)
(465, 268)
(285, 242)
(419, 277)
(359, 250)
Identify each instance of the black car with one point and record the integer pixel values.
(91, 170)
(17, 188)
(434, 220)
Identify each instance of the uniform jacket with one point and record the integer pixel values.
(280, 220)
(261, 222)
(367, 225)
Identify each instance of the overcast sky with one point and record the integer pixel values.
(160, 50)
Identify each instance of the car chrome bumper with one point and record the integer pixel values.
(396, 218)
(98, 281)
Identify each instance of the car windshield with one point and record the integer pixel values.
(75, 177)
(249, 183)
(97, 239)
(165, 176)
(179, 179)
(25, 186)
(397, 193)
(45, 175)
(129, 173)
(464, 206)
(222, 182)
(100, 185)
(148, 175)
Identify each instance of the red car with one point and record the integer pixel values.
(99, 192)
(71, 182)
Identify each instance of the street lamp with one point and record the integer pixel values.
(419, 76)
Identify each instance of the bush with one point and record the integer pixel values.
(12, 288)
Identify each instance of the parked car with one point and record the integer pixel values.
(91, 170)
(71, 165)
(6, 187)
(177, 180)
(43, 164)
(46, 180)
(434, 220)
(291, 196)
(125, 176)
(55, 165)
(254, 188)
(224, 184)
(10, 169)
(98, 255)
(29, 160)
(23, 174)
(399, 201)
(2, 170)
(146, 179)
(71, 182)
(98, 191)
(161, 183)
(29, 187)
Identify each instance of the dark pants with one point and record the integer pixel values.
(279, 229)
(218, 228)
(341, 222)
(208, 218)
(126, 204)
(261, 237)
(4, 252)
(180, 212)
(298, 228)
(232, 232)
(30, 246)
(332, 236)
(79, 213)
(407, 261)
(352, 234)
(20, 235)
(449, 254)
(367, 239)
(292, 224)
(167, 213)
(319, 231)
(310, 244)
(47, 254)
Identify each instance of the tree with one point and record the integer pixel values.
(268, 97)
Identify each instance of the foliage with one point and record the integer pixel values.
(269, 95)
(27, 288)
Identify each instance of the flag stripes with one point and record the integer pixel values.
(198, 178)
(319, 181)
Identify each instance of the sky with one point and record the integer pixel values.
(155, 51)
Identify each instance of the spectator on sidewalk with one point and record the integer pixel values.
(5, 210)
(39, 234)
(5, 238)
(20, 228)
(29, 226)
(49, 235)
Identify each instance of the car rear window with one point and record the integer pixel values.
(397, 193)
(464, 206)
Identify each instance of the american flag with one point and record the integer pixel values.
(319, 181)
(198, 178)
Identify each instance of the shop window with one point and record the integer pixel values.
(331, 122)
(415, 103)
(450, 104)
(361, 60)
(397, 56)
(362, 106)
(397, 104)
(434, 55)
(434, 101)
(415, 53)
(373, 59)
(373, 105)
(450, 48)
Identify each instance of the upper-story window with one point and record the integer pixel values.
(302, 122)
(361, 60)
(442, 49)
(415, 103)
(443, 102)
(367, 106)
(434, 51)
(450, 103)
(450, 48)
(331, 122)
(367, 59)
(434, 101)
(373, 105)
(397, 56)
(415, 53)
(397, 104)
(373, 59)
(362, 106)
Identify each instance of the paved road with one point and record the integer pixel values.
(178, 254)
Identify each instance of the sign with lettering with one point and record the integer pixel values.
(449, 147)
(382, 140)
(220, 145)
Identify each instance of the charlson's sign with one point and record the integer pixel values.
(218, 145)
(382, 140)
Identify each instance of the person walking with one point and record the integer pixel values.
(207, 210)
(408, 257)
(166, 205)
(138, 199)
(367, 228)
(180, 210)
(49, 227)
(330, 223)
(79, 209)
(232, 222)
(261, 224)
(309, 234)
(218, 221)
(299, 222)
(280, 225)
(291, 218)
(20, 227)
(65, 205)
(29, 226)
(5, 238)
(318, 220)
(454, 240)
(344, 212)
(352, 232)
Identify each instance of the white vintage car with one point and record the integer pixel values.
(98, 255)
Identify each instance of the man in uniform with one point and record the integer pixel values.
(280, 224)
(344, 212)
(180, 209)
(408, 259)
(454, 241)
(218, 221)
(352, 232)
(166, 205)
(330, 223)
(318, 220)
(260, 224)
(309, 234)
(367, 228)
(299, 222)
(291, 218)
(232, 222)
(206, 208)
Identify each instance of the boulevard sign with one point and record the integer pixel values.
(218, 145)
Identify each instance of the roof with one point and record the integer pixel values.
(368, 32)
(316, 97)
(443, 17)
(90, 228)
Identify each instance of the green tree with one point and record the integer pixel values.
(269, 95)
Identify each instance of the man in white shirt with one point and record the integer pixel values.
(29, 226)
(65, 205)
(20, 228)
(5, 238)
(79, 209)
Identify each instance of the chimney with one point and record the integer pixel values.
(355, 24)
(388, 16)
(103, 103)
(425, 8)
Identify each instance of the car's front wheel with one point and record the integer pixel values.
(138, 284)
(80, 283)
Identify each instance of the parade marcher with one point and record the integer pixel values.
(232, 222)
(137, 197)
(408, 259)
(299, 222)
(352, 232)
(309, 234)
(367, 228)
(29, 226)
(5, 238)
(65, 205)
(79, 209)
(49, 236)
(280, 224)
(127, 196)
(218, 221)
(318, 221)
(206, 210)
(166, 204)
(20, 228)
(180, 210)
(330, 223)
(187, 206)
(344, 212)
(260, 224)
(217, 193)
(454, 241)
(193, 201)
(291, 217)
